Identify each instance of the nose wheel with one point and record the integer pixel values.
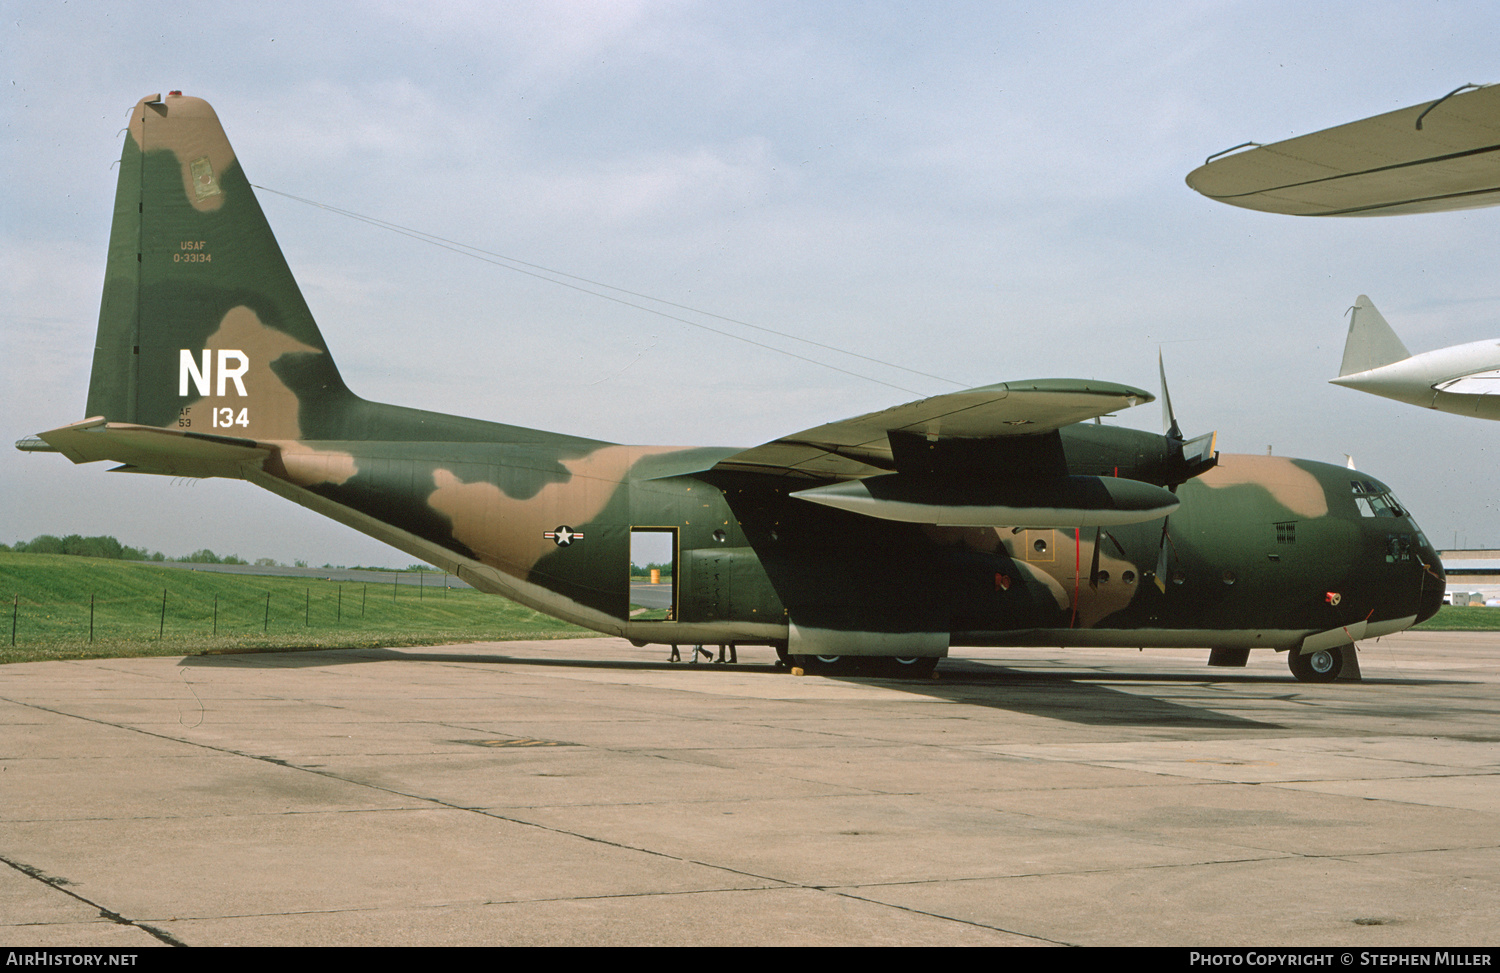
(1321, 666)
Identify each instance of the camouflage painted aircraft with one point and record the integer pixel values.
(994, 516)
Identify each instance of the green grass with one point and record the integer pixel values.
(50, 595)
(1469, 619)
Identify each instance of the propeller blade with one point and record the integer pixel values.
(1168, 418)
(1197, 454)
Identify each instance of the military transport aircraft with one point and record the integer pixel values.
(1463, 379)
(994, 516)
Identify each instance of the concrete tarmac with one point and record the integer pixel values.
(586, 792)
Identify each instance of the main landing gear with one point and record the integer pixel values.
(1321, 666)
(893, 667)
(910, 667)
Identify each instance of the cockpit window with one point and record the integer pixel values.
(1373, 501)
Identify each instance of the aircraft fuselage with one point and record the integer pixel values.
(1263, 551)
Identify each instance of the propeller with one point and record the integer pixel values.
(1186, 458)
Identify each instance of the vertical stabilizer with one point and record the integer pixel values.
(201, 326)
(1371, 342)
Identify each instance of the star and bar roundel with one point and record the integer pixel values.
(563, 536)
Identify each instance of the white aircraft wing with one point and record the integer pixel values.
(1439, 155)
(1480, 383)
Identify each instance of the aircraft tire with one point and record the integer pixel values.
(906, 666)
(823, 665)
(1323, 666)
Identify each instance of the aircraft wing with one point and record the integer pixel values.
(1440, 155)
(1480, 383)
(861, 446)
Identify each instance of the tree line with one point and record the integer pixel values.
(108, 547)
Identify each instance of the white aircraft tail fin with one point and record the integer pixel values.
(1371, 342)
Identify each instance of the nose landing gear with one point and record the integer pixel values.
(1321, 666)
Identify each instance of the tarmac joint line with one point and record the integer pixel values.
(60, 885)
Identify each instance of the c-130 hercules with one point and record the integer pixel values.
(989, 517)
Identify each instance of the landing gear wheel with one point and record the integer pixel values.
(907, 666)
(1323, 666)
(821, 665)
(783, 658)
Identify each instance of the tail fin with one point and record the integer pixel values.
(202, 327)
(1371, 342)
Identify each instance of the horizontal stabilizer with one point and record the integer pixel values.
(1371, 342)
(154, 450)
(1068, 501)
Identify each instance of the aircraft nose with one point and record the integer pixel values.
(1434, 584)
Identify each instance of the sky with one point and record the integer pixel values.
(980, 192)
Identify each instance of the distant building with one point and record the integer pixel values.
(1473, 576)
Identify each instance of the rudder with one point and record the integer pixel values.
(202, 325)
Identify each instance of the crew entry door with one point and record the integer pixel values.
(653, 574)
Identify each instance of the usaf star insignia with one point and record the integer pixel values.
(563, 536)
